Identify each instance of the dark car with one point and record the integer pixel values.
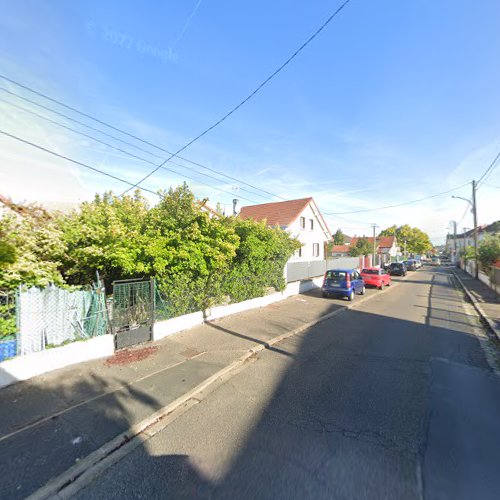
(342, 283)
(411, 264)
(397, 269)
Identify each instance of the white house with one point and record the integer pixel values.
(301, 218)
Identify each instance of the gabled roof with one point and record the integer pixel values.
(382, 241)
(281, 213)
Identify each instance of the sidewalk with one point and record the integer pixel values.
(52, 422)
(485, 300)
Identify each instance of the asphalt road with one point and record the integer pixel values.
(394, 399)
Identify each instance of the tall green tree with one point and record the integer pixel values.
(104, 235)
(31, 249)
(361, 247)
(417, 242)
(338, 238)
(187, 250)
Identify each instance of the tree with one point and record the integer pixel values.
(260, 259)
(30, 251)
(104, 235)
(187, 251)
(338, 238)
(362, 247)
(489, 251)
(417, 242)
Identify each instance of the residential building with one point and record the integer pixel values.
(301, 218)
(466, 238)
(384, 245)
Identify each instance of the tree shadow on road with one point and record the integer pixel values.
(347, 417)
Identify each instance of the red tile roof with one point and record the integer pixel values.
(340, 248)
(281, 213)
(382, 241)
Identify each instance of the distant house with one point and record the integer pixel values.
(338, 250)
(301, 218)
(466, 239)
(385, 245)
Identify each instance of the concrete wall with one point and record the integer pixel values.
(168, 327)
(31, 365)
(25, 367)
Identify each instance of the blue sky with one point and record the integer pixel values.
(394, 101)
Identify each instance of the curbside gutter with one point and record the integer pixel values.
(87, 469)
(477, 306)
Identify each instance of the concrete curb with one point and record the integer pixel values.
(81, 474)
(477, 306)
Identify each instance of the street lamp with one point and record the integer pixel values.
(474, 213)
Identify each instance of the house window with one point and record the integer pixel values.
(302, 223)
(298, 253)
(311, 223)
(315, 249)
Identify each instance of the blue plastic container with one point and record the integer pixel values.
(8, 349)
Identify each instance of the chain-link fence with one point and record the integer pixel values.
(53, 316)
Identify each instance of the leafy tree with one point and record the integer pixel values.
(187, 250)
(104, 235)
(338, 238)
(260, 259)
(30, 251)
(468, 253)
(417, 242)
(362, 247)
(489, 251)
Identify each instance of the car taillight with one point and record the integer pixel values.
(348, 281)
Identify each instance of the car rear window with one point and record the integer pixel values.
(396, 264)
(370, 271)
(335, 275)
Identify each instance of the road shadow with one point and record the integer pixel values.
(349, 417)
(47, 428)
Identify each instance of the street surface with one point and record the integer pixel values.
(393, 399)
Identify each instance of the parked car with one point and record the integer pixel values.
(435, 261)
(374, 276)
(411, 264)
(419, 263)
(342, 283)
(397, 269)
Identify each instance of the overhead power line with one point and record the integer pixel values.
(399, 204)
(253, 93)
(132, 155)
(489, 170)
(76, 162)
(111, 136)
(103, 172)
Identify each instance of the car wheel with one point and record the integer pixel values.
(350, 297)
(363, 290)
(381, 287)
(325, 295)
(388, 283)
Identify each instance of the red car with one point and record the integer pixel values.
(375, 276)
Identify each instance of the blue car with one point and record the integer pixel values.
(342, 283)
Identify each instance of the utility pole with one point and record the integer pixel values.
(454, 240)
(474, 213)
